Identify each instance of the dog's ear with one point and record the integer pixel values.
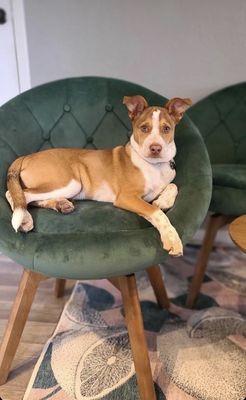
(176, 107)
(135, 105)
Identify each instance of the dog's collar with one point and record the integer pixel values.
(154, 161)
(172, 164)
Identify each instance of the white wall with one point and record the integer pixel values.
(175, 47)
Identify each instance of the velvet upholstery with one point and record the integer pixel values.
(97, 240)
(221, 119)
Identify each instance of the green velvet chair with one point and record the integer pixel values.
(97, 240)
(221, 119)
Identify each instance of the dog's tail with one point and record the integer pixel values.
(18, 200)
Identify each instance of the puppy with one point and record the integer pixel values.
(131, 176)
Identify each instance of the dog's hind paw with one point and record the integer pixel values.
(27, 223)
(64, 206)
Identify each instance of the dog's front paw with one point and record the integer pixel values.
(163, 204)
(171, 242)
(167, 199)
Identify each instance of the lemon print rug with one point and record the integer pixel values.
(198, 354)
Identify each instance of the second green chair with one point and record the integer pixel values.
(221, 119)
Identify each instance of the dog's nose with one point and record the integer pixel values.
(155, 149)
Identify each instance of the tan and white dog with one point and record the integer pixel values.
(129, 176)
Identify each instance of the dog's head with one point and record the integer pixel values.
(153, 127)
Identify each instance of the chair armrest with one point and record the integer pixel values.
(194, 181)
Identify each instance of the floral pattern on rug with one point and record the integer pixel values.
(89, 355)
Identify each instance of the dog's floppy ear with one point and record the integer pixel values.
(135, 105)
(176, 107)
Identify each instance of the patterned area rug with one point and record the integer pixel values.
(194, 354)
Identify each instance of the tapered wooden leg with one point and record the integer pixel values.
(156, 280)
(19, 313)
(134, 322)
(60, 287)
(214, 224)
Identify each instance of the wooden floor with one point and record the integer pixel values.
(40, 326)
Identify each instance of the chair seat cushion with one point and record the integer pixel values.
(229, 175)
(229, 189)
(89, 217)
(97, 240)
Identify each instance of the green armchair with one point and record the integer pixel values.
(97, 240)
(221, 119)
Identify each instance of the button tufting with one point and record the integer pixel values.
(108, 107)
(67, 107)
(46, 135)
(90, 139)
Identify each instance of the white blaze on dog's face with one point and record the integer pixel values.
(153, 127)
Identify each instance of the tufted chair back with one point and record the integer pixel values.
(82, 112)
(221, 119)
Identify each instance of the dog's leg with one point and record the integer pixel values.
(167, 197)
(61, 205)
(169, 236)
(9, 199)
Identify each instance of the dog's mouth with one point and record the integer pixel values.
(154, 155)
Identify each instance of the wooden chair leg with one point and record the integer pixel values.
(134, 322)
(60, 287)
(17, 320)
(214, 224)
(156, 280)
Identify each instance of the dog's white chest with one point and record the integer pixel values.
(156, 176)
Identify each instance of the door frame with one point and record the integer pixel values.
(21, 44)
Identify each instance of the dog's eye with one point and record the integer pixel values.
(166, 129)
(144, 128)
